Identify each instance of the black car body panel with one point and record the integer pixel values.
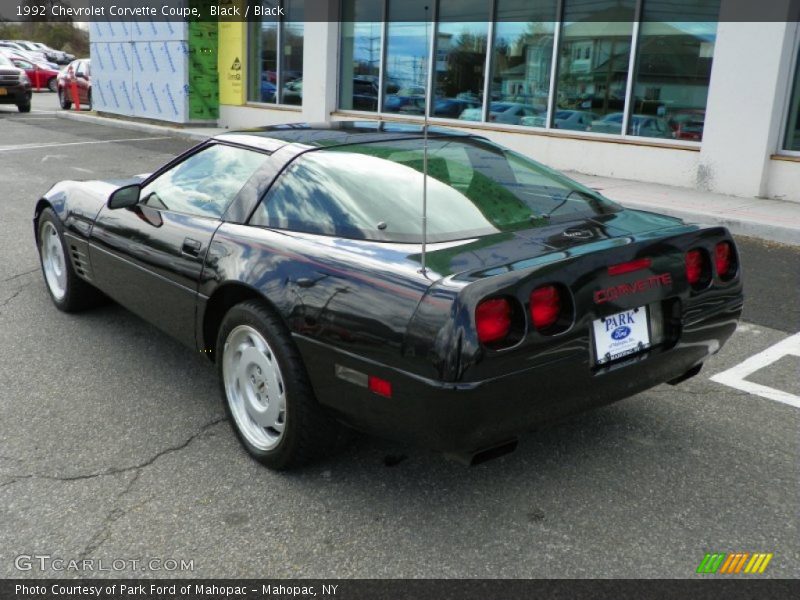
(365, 306)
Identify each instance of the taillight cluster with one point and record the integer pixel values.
(698, 265)
(493, 320)
(500, 323)
(545, 306)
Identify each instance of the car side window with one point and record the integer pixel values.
(205, 183)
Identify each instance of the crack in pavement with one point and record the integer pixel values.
(118, 470)
(20, 274)
(14, 295)
(115, 514)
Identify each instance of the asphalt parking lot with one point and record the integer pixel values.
(113, 443)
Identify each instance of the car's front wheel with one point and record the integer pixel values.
(266, 391)
(52, 85)
(68, 291)
(63, 100)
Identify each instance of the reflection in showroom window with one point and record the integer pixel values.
(360, 59)
(522, 60)
(673, 69)
(275, 74)
(459, 64)
(593, 61)
(406, 68)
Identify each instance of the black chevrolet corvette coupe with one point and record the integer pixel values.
(295, 257)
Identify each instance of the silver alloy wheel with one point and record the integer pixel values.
(254, 387)
(53, 261)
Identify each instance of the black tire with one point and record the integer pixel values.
(309, 432)
(52, 84)
(89, 100)
(78, 294)
(63, 100)
(24, 108)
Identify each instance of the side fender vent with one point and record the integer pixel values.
(80, 262)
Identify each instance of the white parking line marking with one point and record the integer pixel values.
(59, 144)
(735, 376)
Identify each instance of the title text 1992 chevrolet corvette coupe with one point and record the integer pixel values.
(292, 256)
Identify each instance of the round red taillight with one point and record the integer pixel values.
(545, 306)
(694, 266)
(723, 259)
(493, 320)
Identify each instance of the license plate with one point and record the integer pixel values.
(3, 91)
(619, 335)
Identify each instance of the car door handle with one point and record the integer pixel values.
(191, 247)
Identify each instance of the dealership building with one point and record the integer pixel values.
(678, 92)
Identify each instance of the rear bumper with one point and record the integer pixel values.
(466, 417)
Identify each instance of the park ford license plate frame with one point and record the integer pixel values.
(621, 334)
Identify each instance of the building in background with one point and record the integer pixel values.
(666, 91)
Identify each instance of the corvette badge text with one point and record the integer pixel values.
(625, 289)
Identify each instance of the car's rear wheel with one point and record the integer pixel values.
(89, 100)
(63, 100)
(266, 391)
(24, 108)
(68, 291)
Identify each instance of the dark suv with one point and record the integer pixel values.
(15, 87)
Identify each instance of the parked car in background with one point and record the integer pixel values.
(641, 125)
(396, 102)
(510, 113)
(31, 57)
(293, 92)
(451, 108)
(40, 74)
(575, 120)
(15, 87)
(688, 124)
(78, 71)
(57, 56)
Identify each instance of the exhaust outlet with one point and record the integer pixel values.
(472, 459)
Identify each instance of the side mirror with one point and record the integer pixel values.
(125, 197)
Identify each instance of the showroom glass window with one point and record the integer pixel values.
(793, 125)
(522, 57)
(361, 51)
(275, 71)
(405, 79)
(593, 60)
(462, 35)
(673, 69)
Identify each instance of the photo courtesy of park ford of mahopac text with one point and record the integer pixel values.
(399, 299)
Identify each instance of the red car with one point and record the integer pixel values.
(77, 71)
(40, 75)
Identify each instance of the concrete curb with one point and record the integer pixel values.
(764, 231)
(187, 134)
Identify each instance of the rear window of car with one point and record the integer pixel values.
(374, 191)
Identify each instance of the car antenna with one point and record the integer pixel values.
(423, 270)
